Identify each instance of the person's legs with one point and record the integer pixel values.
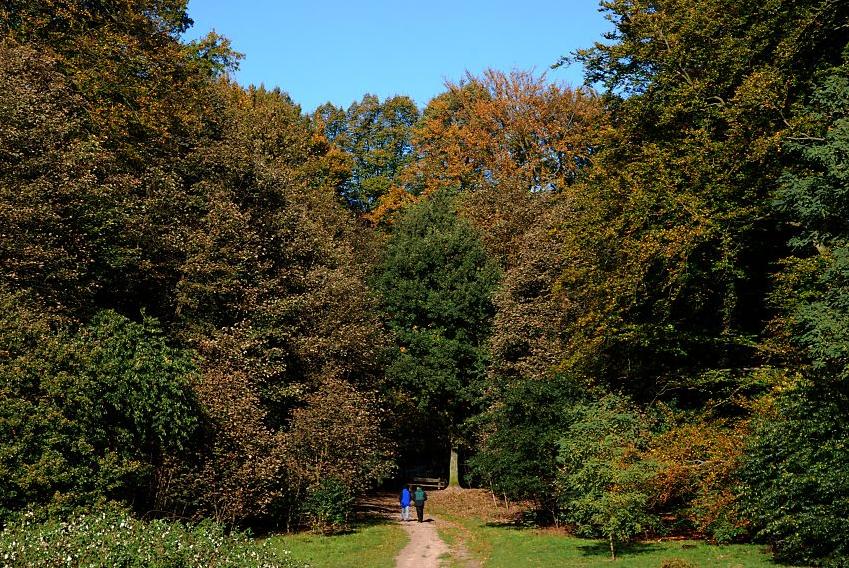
(405, 513)
(420, 511)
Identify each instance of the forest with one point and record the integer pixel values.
(626, 303)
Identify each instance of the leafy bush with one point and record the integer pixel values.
(328, 506)
(88, 415)
(602, 479)
(113, 539)
(796, 476)
(697, 460)
(337, 435)
(518, 455)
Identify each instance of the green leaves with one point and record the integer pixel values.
(520, 437)
(436, 284)
(110, 536)
(601, 478)
(794, 478)
(795, 468)
(377, 138)
(814, 191)
(91, 414)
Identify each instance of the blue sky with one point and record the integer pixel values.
(339, 50)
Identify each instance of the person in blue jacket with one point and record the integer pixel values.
(405, 504)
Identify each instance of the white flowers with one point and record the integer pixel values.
(109, 538)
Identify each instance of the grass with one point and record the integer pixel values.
(504, 547)
(494, 544)
(372, 543)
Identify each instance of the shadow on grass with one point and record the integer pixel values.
(509, 525)
(602, 548)
(361, 522)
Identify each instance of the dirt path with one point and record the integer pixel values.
(425, 549)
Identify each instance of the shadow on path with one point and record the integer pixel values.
(425, 549)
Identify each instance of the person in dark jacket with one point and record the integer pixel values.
(405, 500)
(420, 497)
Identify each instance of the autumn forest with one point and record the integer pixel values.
(625, 303)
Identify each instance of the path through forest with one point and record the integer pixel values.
(425, 549)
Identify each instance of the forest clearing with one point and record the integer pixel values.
(479, 533)
(612, 318)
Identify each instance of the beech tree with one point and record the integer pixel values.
(141, 178)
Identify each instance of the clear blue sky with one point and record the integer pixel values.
(338, 50)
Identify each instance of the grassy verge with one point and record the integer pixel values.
(496, 545)
(372, 543)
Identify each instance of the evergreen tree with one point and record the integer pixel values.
(436, 283)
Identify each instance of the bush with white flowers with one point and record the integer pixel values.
(113, 538)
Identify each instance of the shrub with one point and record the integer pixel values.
(602, 480)
(328, 506)
(238, 472)
(88, 415)
(518, 454)
(697, 461)
(337, 434)
(795, 485)
(111, 538)
(334, 449)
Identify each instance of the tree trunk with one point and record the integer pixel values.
(612, 549)
(454, 468)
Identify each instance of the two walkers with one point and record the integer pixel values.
(419, 498)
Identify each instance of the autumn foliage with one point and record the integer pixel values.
(625, 303)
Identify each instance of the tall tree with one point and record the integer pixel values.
(124, 102)
(140, 177)
(271, 294)
(672, 279)
(487, 130)
(665, 247)
(504, 140)
(377, 137)
(795, 488)
(436, 283)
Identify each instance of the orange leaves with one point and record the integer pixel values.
(389, 204)
(487, 130)
(697, 461)
(503, 139)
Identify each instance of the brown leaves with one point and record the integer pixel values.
(509, 134)
(697, 462)
(272, 294)
(338, 434)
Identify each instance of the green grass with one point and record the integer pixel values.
(505, 547)
(373, 543)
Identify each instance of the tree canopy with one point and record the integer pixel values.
(625, 302)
